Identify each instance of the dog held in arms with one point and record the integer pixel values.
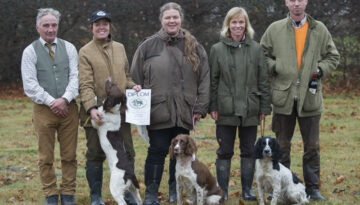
(274, 178)
(122, 176)
(192, 175)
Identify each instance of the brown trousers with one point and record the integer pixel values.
(46, 124)
(283, 126)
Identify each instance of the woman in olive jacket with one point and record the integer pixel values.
(239, 96)
(175, 67)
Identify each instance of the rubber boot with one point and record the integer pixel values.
(94, 175)
(223, 175)
(129, 199)
(153, 175)
(172, 182)
(315, 194)
(247, 175)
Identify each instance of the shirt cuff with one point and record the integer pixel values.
(49, 100)
(66, 100)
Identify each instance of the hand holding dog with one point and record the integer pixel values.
(59, 107)
(96, 116)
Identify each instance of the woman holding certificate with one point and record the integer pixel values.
(174, 66)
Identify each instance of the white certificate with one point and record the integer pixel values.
(138, 106)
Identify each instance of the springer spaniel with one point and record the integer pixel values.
(274, 178)
(122, 176)
(192, 175)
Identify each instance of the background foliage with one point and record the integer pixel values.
(136, 19)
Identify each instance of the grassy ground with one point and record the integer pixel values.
(340, 140)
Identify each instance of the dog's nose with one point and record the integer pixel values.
(266, 151)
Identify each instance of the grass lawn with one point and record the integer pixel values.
(339, 140)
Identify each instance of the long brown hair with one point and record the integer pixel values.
(190, 41)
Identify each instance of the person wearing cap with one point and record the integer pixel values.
(299, 51)
(49, 69)
(100, 59)
(173, 64)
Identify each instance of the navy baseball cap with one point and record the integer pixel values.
(99, 15)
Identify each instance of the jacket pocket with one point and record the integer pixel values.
(159, 109)
(253, 104)
(280, 94)
(187, 112)
(312, 102)
(226, 104)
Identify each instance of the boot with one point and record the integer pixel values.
(153, 175)
(94, 175)
(172, 182)
(67, 199)
(315, 194)
(129, 199)
(247, 175)
(52, 200)
(223, 175)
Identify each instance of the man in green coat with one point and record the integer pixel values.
(299, 51)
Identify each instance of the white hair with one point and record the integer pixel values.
(45, 11)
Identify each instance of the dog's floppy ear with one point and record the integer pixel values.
(171, 149)
(190, 146)
(277, 153)
(108, 85)
(258, 149)
(123, 102)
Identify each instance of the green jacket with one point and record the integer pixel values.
(159, 64)
(239, 82)
(278, 42)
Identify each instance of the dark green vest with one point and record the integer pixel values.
(52, 75)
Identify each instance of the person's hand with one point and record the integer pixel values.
(197, 116)
(214, 115)
(262, 116)
(59, 107)
(137, 88)
(96, 116)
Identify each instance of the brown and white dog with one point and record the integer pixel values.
(192, 175)
(122, 176)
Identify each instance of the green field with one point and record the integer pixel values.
(339, 140)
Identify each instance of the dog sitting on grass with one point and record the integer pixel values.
(274, 178)
(122, 175)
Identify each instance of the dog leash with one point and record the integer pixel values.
(262, 126)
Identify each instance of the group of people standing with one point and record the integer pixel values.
(232, 85)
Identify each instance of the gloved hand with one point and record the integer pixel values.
(319, 73)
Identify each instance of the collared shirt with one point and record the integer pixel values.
(29, 74)
(302, 22)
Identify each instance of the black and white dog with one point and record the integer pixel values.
(122, 176)
(274, 178)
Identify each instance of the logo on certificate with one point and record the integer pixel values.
(138, 103)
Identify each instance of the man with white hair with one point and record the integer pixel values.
(49, 69)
